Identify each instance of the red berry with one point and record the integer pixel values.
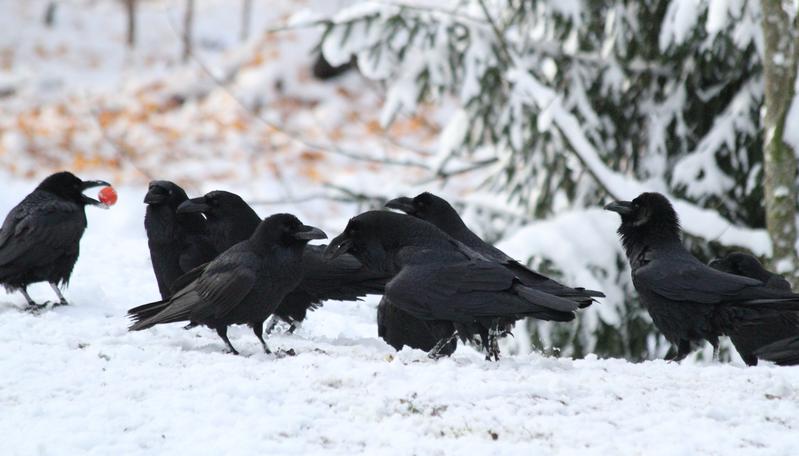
(107, 196)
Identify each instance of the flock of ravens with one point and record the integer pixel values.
(218, 263)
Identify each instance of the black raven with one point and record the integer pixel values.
(40, 237)
(687, 300)
(442, 281)
(230, 220)
(245, 284)
(748, 338)
(440, 213)
(178, 242)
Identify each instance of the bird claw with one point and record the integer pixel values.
(35, 308)
(284, 353)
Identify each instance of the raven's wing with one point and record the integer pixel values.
(464, 291)
(221, 287)
(681, 279)
(39, 226)
(526, 275)
(342, 279)
(226, 281)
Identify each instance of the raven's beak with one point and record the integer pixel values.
(622, 207)
(90, 200)
(155, 194)
(310, 232)
(403, 203)
(193, 205)
(338, 246)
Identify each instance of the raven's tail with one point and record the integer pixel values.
(145, 311)
(178, 308)
(784, 352)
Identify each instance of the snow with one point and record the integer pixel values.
(77, 382)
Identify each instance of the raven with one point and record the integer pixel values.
(442, 281)
(231, 220)
(440, 213)
(245, 284)
(687, 300)
(40, 237)
(747, 339)
(177, 242)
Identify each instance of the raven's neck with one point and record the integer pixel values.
(161, 224)
(637, 240)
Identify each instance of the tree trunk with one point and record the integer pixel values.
(246, 11)
(130, 6)
(188, 20)
(779, 68)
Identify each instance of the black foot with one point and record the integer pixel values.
(60, 303)
(232, 351)
(33, 307)
(283, 353)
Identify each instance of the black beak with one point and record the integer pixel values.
(90, 184)
(309, 232)
(622, 207)
(403, 203)
(338, 246)
(193, 205)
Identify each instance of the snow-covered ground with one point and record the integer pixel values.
(76, 382)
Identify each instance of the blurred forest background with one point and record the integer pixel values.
(528, 115)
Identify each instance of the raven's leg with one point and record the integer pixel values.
(258, 329)
(271, 325)
(435, 352)
(31, 303)
(61, 300)
(493, 350)
(715, 343)
(295, 325)
(683, 350)
(222, 331)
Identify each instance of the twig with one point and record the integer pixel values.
(503, 45)
(122, 150)
(330, 148)
(444, 175)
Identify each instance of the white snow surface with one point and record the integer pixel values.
(76, 382)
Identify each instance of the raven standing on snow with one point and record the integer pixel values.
(399, 329)
(245, 284)
(749, 338)
(40, 237)
(687, 300)
(178, 242)
(443, 282)
(231, 220)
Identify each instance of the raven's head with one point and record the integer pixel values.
(165, 193)
(217, 204)
(650, 216)
(376, 239)
(285, 230)
(70, 187)
(429, 207)
(746, 265)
